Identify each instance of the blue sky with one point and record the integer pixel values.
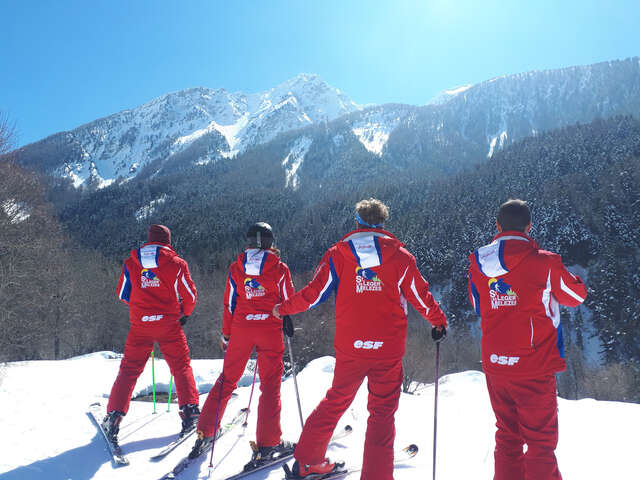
(68, 62)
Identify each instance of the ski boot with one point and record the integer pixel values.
(317, 470)
(201, 446)
(262, 455)
(111, 425)
(189, 414)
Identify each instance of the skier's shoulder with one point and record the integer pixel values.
(334, 249)
(546, 258)
(282, 266)
(168, 256)
(404, 254)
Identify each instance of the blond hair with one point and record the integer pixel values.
(372, 211)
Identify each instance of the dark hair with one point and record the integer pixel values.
(514, 214)
(372, 211)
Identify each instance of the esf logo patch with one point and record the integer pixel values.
(367, 344)
(501, 293)
(257, 316)
(149, 279)
(151, 318)
(503, 359)
(367, 280)
(252, 288)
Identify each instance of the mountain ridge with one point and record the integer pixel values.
(200, 125)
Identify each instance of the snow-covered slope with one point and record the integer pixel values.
(47, 434)
(374, 125)
(509, 108)
(228, 123)
(446, 95)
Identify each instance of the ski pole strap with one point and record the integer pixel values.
(370, 225)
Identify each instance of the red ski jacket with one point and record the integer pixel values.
(155, 283)
(516, 288)
(257, 281)
(373, 275)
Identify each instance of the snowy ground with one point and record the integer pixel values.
(46, 433)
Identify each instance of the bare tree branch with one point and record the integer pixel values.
(7, 133)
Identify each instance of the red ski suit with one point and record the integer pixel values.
(517, 288)
(373, 276)
(257, 281)
(156, 284)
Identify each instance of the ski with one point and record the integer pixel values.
(117, 454)
(283, 458)
(340, 471)
(186, 461)
(172, 446)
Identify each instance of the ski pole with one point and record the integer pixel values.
(153, 381)
(215, 434)
(255, 370)
(435, 409)
(287, 328)
(169, 401)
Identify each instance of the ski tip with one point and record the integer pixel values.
(411, 449)
(348, 428)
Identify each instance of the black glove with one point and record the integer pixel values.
(287, 326)
(183, 320)
(438, 333)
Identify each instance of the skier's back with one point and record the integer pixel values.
(257, 280)
(156, 284)
(373, 276)
(517, 288)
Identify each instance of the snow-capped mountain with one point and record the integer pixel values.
(461, 126)
(509, 108)
(446, 95)
(467, 124)
(220, 123)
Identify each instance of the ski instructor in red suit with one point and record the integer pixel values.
(257, 280)
(156, 284)
(373, 276)
(517, 289)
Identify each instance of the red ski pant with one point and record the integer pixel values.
(526, 413)
(269, 347)
(384, 384)
(173, 344)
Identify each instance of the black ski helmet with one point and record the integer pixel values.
(260, 235)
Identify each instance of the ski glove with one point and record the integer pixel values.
(287, 326)
(183, 320)
(438, 333)
(224, 342)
